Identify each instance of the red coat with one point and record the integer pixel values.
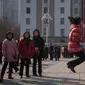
(26, 52)
(75, 37)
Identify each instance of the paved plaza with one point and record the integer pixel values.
(54, 73)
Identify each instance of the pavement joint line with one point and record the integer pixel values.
(56, 75)
(66, 78)
(61, 71)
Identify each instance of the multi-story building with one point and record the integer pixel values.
(76, 8)
(10, 11)
(83, 12)
(33, 10)
(28, 14)
(1, 9)
(61, 23)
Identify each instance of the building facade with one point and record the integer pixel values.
(28, 14)
(10, 11)
(58, 28)
(76, 8)
(1, 9)
(83, 4)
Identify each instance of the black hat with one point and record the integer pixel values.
(9, 32)
(75, 20)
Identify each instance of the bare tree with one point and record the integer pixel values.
(5, 27)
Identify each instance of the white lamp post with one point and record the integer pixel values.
(46, 19)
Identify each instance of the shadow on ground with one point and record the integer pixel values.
(45, 80)
(9, 82)
(53, 81)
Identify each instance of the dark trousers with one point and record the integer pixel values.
(24, 62)
(37, 58)
(79, 60)
(51, 56)
(11, 65)
(17, 62)
(0, 58)
(57, 56)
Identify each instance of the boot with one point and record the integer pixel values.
(1, 79)
(10, 76)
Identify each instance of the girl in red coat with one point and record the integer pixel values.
(75, 37)
(26, 50)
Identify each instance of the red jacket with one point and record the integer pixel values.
(26, 52)
(75, 37)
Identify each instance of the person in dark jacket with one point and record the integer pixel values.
(39, 48)
(0, 52)
(46, 52)
(57, 53)
(26, 50)
(51, 50)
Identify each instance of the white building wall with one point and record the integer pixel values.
(76, 5)
(57, 16)
(32, 16)
(10, 11)
(1, 9)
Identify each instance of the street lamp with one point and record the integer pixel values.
(46, 19)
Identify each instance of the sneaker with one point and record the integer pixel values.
(35, 75)
(17, 70)
(10, 78)
(27, 76)
(40, 75)
(21, 76)
(71, 68)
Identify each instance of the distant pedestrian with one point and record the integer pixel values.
(75, 37)
(26, 50)
(63, 51)
(46, 52)
(66, 51)
(57, 53)
(0, 52)
(39, 48)
(51, 51)
(10, 52)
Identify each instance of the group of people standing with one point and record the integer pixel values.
(27, 49)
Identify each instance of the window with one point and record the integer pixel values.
(28, 30)
(28, 10)
(27, 21)
(75, 10)
(62, 10)
(62, 1)
(75, 1)
(62, 21)
(62, 32)
(45, 10)
(28, 1)
(45, 1)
